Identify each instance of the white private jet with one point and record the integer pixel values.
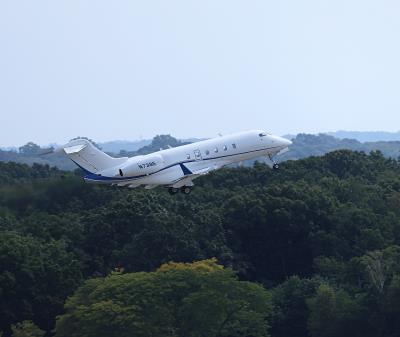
(175, 168)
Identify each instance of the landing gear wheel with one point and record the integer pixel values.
(186, 189)
(275, 165)
(173, 190)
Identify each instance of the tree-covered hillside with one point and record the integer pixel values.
(32, 153)
(367, 136)
(321, 235)
(304, 146)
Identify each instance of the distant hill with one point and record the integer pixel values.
(304, 145)
(116, 146)
(32, 153)
(158, 142)
(367, 136)
(161, 142)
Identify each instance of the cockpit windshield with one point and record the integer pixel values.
(263, 134)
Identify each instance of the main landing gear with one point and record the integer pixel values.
(275, 165)
(186, 189)
(183, 189)
(173, 190)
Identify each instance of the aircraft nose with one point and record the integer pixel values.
(285, 142)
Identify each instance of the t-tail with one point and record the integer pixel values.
(88, 157)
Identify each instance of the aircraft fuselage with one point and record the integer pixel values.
(178, 166)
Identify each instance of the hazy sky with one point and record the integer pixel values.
(129, 69)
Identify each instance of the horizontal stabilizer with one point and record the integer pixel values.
(74, 149)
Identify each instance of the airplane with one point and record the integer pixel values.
(177, 167)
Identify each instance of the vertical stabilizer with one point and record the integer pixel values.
(83, 153)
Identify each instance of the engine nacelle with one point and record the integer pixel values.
(141, 165)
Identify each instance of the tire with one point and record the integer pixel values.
(275, 166)
(173, 190)
(186, 189)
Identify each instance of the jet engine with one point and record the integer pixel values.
(141, 165)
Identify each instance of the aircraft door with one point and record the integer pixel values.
(197, 155)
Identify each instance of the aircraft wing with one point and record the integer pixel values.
(282, 151)
(186, 180)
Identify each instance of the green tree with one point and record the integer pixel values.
(179, 300)
(290, 312)
(392, 307)
(35, 279)
(334, 313)
(160, 142)
(381, 265)
(30, 149)
(27, 329)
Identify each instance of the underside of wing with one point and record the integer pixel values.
(129, 184)
(189, 176)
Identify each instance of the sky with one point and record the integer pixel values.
(133, 69)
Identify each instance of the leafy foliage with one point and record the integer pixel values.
(321, 232)
(35, 279)
(188, 300)
(334, 313)
(27, 329)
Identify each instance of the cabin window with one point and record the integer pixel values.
(188, 156)
(207, 152)
(197, 154)
(216, 150)
(225, 148)
(234, 145)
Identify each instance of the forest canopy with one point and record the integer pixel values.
(320, 238)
